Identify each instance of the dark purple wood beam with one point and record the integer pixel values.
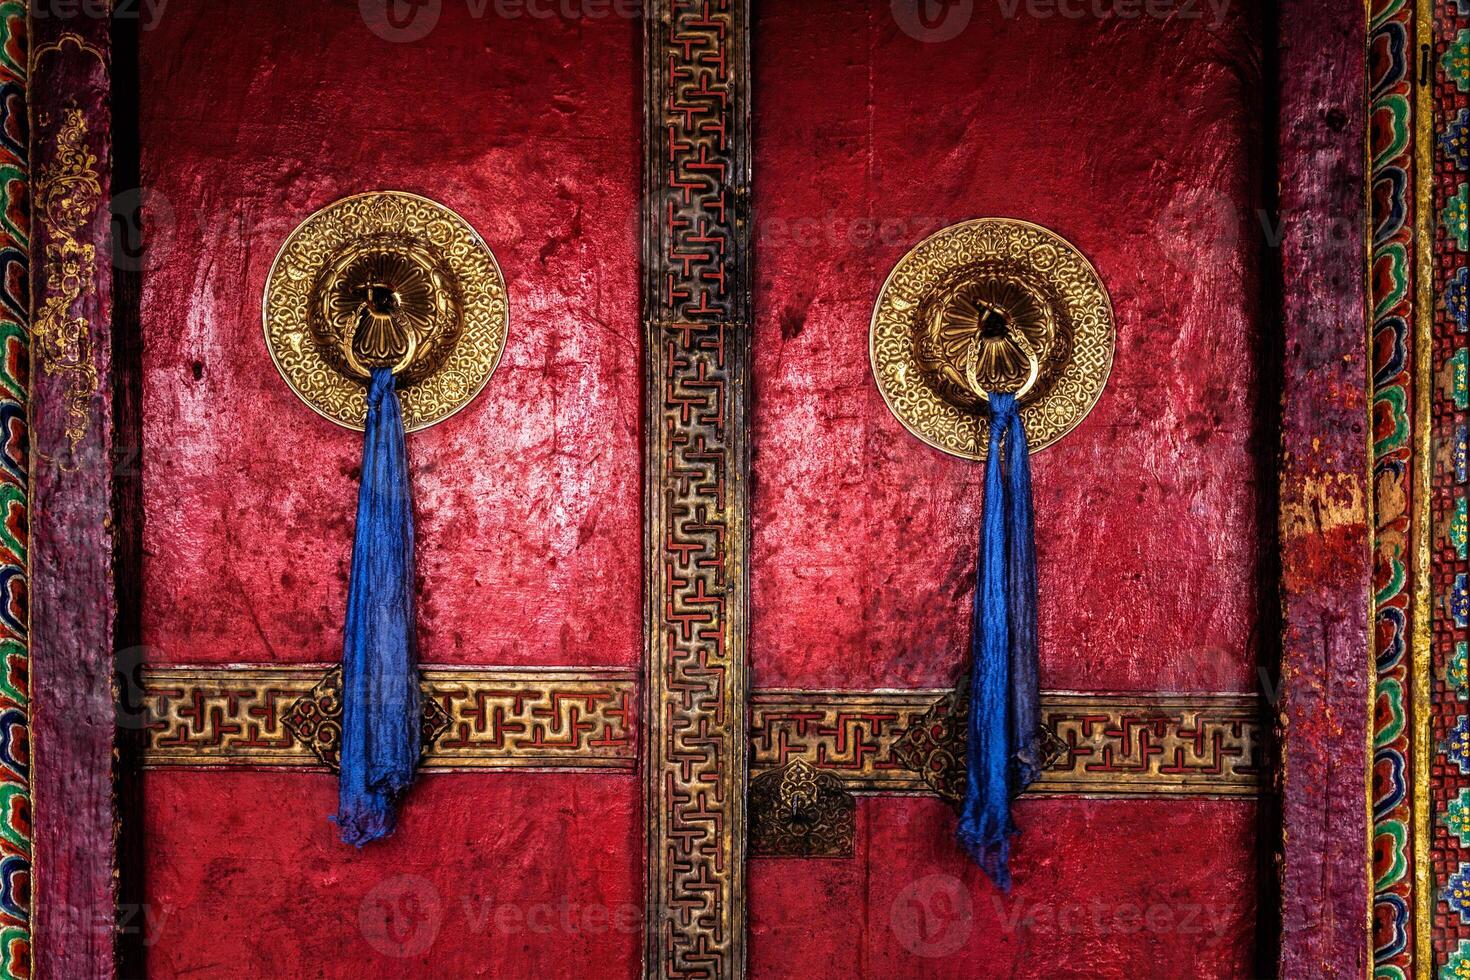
(73, 605)
(1324, 546)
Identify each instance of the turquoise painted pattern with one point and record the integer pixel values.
(1389, 47)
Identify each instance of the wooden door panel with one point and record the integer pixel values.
(529, 536)
(1139, 142)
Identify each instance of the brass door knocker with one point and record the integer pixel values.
(981, 390)
(385, 279)
(993, 304)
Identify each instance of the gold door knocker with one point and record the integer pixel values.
(993, 304)
(385, 279)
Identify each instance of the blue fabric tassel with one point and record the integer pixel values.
(380, 681)
(1005, 699)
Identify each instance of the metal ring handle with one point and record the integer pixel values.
(399, 368)
(972, 368)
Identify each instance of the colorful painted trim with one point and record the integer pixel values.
(1391, 286)
(1448, 265)
(15, 800)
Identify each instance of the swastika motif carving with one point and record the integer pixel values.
(697, 337)
(1107, 745)
(496, 718)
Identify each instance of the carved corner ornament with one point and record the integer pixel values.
(315, 719)
(800, 811)
(935, 744)
(68, 197)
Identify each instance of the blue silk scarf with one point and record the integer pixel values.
(380, 684)
(1004, 752)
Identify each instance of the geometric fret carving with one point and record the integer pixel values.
(1106, 745)
(486, 718)
(697, 348)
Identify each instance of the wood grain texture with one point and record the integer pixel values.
(73, 605)
(1323, 469)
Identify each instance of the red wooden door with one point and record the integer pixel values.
(1137, 139)
(529, 535)
(683, 457)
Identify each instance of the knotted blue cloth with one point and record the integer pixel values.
(1004, 751)
(380, 682)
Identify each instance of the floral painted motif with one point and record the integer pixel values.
(1456, 818)
(1457, 678)
(1456, 61)
(1457, 893)
(1457, 218)
(1457, 966)
(1455, 141)
(1457, 299)
(1457, 746)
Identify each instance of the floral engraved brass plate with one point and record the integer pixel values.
(385, 279)
(970, 307)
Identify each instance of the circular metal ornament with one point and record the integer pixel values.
(385, 279)
(984, 301)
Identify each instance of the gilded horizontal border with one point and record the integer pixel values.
(499, 717)
(1112, 745)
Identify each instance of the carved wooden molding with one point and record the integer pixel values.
(492, 718)
(489, 718)
(697, 335)
(1108, 745)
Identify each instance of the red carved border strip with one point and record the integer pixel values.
(1323, 531)
(697, 339)
(73, 606)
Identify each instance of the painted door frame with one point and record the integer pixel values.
(1366, 561)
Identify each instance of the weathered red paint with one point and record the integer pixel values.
(1125, 889)
(533, 875)
(1136, 140)
(1148, 536)
(1326, 569)
(73, 607)
(528, 533)
(528, 527)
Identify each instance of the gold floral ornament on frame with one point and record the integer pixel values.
(992, 304)
(385, 279)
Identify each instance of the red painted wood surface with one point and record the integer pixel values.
(73, 605)
(1148, 533)
(1128, 889)
(529, 533)
(529, 541)
(1326, 570)
(1136, 140)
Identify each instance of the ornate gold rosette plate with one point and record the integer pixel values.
(986, 303)
(385, 279)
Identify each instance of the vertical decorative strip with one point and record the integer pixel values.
(72, 603)
(15, 793)
(1446, 61)
(1324, 494)
(697, 329)
(1394, 361)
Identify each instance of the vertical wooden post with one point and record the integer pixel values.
(1324, 491)
(73, 605)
